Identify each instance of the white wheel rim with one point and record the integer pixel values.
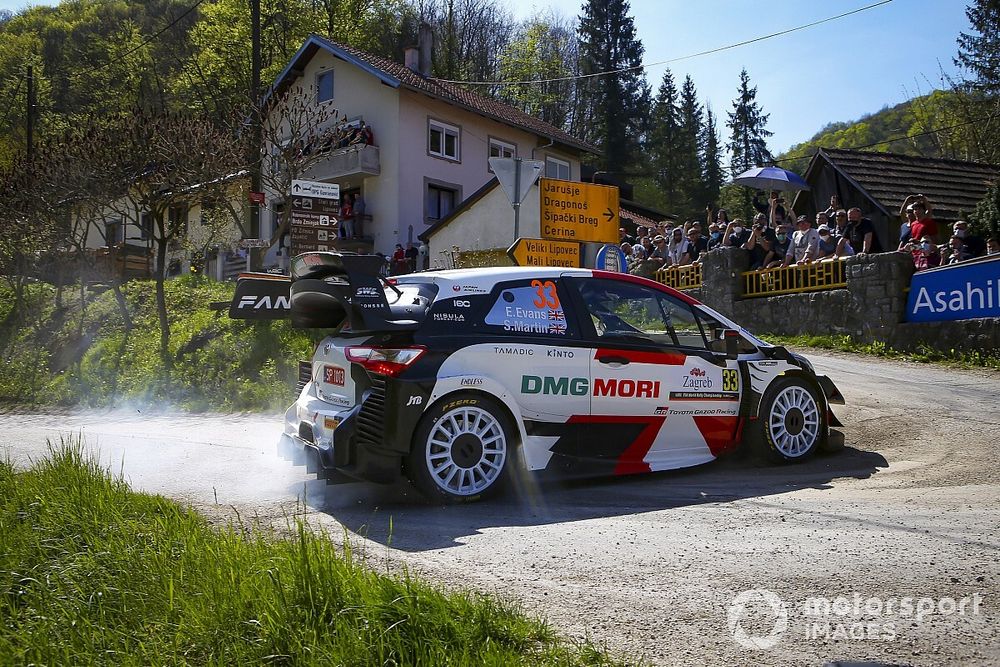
(794, 421)
(465, 451)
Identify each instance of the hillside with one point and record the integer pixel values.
(906, 128)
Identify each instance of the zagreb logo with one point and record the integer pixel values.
(757, 603)
(697, 379)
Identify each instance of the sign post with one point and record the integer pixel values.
(542, 252)
(583, 212)
(314, 209)
(516, 177)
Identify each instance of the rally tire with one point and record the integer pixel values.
(791, 421)
(463, 449)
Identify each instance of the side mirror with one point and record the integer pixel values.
(732, 338)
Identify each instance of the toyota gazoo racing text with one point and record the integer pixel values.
(460, 379)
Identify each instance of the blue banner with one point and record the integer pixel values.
(956, 292)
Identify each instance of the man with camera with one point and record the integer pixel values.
(761, 242)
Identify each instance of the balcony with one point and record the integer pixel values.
(359, 160)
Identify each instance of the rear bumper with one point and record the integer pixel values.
(341, 437)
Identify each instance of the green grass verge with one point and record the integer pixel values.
(73, 355)
(926, 355)
(94, 573)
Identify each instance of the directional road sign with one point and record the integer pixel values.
(316, 189)
(542, 252)
(572, 211)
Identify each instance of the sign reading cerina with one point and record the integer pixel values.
(567, 386)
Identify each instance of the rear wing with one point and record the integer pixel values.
(328, 290)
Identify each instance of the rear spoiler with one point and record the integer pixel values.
(324, 290)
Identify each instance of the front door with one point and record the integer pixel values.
(660, 399)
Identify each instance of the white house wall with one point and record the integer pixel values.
(416, 166)
(487, 224)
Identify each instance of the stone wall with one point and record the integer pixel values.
(870, 309)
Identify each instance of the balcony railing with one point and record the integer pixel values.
(813, 277)
(680, 277)
(344, 162)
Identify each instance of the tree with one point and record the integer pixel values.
(297, 134)
(543, 47)
(986, 219)
(979, 50)
(166, 162)
(689, 177)
(747, 122)
(663, 140)
(613, 97)
(712, 163)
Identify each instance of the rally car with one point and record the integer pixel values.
(460, 379)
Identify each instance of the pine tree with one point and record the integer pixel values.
(662, 142)
(747, 121)
(608, 43)
(979, 51)
(690, 147)
(712, 171)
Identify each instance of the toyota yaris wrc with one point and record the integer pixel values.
(460, 379)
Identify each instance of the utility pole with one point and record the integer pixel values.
(255, 148)
(31, 114)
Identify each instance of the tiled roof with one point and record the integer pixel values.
(953, 187)
(398, 75)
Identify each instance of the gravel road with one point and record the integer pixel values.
(665, 567)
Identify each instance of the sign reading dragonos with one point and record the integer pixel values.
(539, 252)
(582, 212)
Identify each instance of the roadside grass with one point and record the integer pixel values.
(94, 573)
(845, 343)
(82, 355)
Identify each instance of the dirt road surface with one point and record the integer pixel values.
(669, 568)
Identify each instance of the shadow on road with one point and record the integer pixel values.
(401, 517)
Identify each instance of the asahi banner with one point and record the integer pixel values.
(960, 291)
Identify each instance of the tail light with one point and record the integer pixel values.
(389, 361)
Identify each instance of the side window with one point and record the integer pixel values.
(556, 168)
(324, 86)
(529, 307)
(631, 312)
(714, 331)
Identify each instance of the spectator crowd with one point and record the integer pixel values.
(774, 239)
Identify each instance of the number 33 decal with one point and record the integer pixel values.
(730, 380)
(547, 297)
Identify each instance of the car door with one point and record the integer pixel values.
(660, 398)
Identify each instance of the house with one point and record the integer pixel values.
(877, 183)
(472, 227)
(432, 140)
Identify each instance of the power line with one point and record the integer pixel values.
(670, 60)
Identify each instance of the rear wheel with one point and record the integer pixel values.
(791, 420)
(462, 449)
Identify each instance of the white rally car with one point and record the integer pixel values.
(459, 379)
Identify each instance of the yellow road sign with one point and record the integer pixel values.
(572, 211)
(541, 252)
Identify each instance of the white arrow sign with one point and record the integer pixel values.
(315, 189)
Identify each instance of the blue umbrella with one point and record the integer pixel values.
(771, 178)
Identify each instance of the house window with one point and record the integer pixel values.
(145, 226)
(440, 202)
(556, 168)
(178, 220)
(113, 231)
(443, 140)
(324, 86)
(502, 148)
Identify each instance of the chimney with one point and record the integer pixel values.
(425, 41)
(411, 58)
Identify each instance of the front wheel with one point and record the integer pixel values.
(791, 420)
(462, 449)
